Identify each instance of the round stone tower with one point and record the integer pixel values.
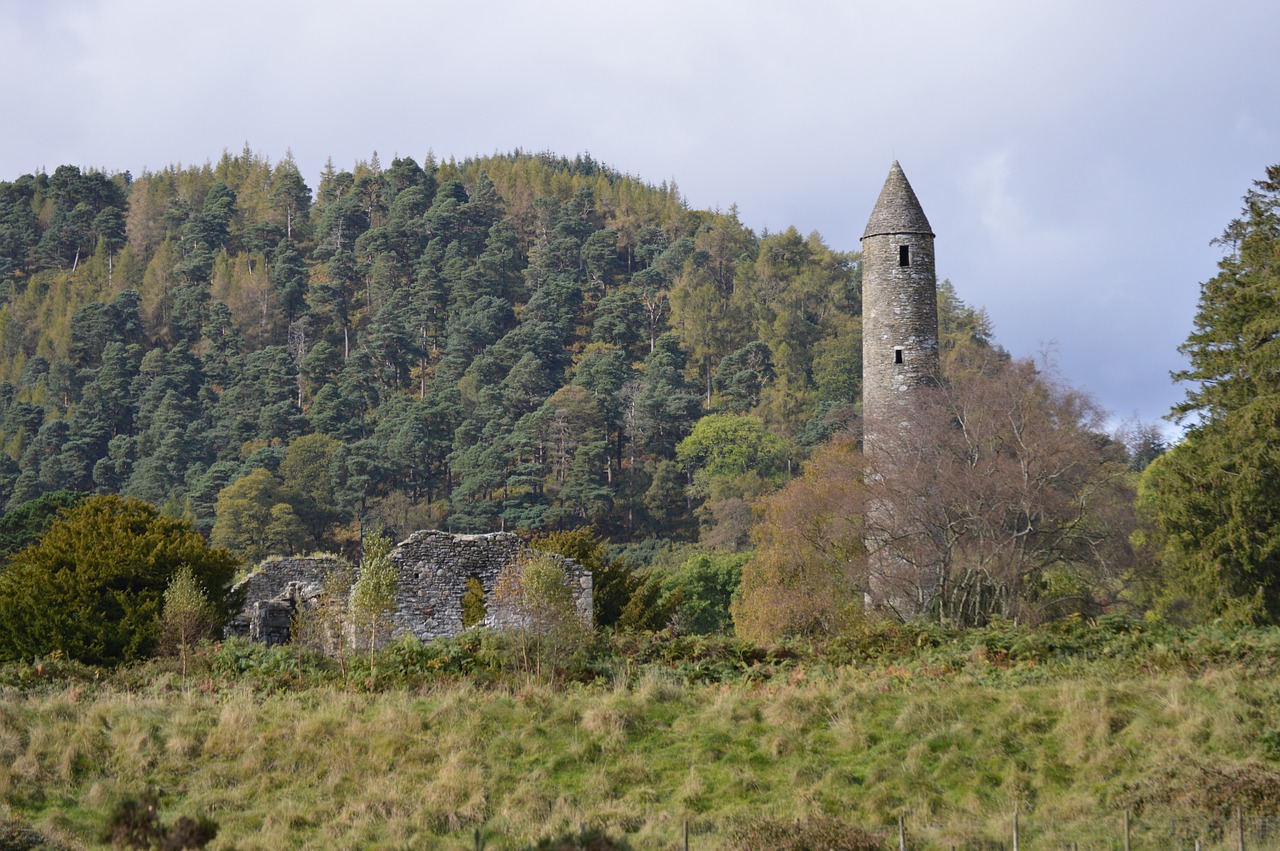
(899, 306)
(899, 355)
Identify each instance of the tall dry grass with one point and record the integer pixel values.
(956, 753)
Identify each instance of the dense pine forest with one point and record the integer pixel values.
(514, 342)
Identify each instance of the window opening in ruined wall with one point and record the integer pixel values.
(904, 255)
(897, 354)
(473, 607)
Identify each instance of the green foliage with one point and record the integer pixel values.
(707, 584)
(731, 445)
(187, 616)
(307, 483)
(538, 588)
(473, 606)
(1196, 511)
(93, 587)
(687, 591)
(280, 668)
(253, 518)
(734, 460)
(540, 607)
(373, 596)
(24, 525)
(1216, 503)
(613, 582)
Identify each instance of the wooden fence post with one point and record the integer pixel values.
(902, 833)
(1015, 830)
(1126, 830)
(1239, 828)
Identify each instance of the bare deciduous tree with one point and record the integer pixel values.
(999, 494)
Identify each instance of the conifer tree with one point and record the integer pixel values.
(1217, 502)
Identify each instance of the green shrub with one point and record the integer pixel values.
(93, 586)
(283, 667)
(473, 606)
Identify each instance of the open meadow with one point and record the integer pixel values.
(1069, 727)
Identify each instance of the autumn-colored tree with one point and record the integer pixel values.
(809, 570)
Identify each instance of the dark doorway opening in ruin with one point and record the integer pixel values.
(897, 354)
(904, 255)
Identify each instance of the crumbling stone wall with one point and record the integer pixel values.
(275, 592)
(433, 571)
(433, 568)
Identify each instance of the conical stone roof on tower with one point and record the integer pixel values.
(897, 209)
(899, 307)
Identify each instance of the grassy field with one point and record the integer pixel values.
(1070, 729)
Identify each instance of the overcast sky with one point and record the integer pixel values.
(1075, 158)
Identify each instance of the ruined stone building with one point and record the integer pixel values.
(433, 569)
(899, 355)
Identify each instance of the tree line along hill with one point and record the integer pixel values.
(540, 344)
(514, 342)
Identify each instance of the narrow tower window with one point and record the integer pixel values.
(897, 351)
(904, 255)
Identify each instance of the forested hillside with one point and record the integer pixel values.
(509, 342)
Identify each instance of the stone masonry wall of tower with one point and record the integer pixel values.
(899, 306)
(899, 356)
